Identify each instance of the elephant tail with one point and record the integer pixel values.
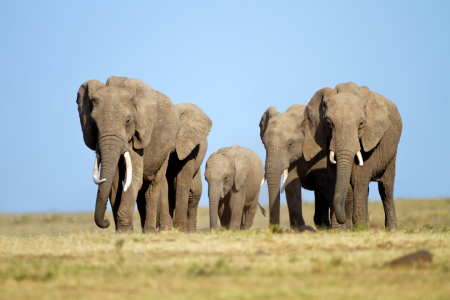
(263, 211)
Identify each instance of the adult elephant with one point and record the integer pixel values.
(283, 138)
(133, 130)
(360, 130)
(179, 205)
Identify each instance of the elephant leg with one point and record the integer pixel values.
(349, 207)
(321, 209)
(386, 189)
(116, 191)
(151, 199)
(165, 219)
(171, 195)
(182, 190)
(249, 213)
(225, 211)
(194, 198)
(129, 197)
(333, 220)
(141, 202)
(360, 182)
(237, 201)
(294, 199)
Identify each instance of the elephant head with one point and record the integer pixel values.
(282, 137)
(226, 169)
(115, 117)
(339, 121)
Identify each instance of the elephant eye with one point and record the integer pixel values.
(225, 178)
(289, 145)
(362, 123)
(128, 120)
(329, 123)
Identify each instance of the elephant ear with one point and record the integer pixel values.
(377, 118)
(84, 101)
(241, 166)
(194, 128)
(269, 113)
(313, 125)
(146, 103)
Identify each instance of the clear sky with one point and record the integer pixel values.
(233, 59)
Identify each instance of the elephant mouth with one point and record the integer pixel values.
(128, 173)
(358, 155)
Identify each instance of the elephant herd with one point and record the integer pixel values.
(149, 152)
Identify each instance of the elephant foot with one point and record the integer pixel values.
(297, 227)
(165, 228)
(336, 226)
(149, 230)
(361, 226)
(390, 227)
(322, 224)
(125, 230)
(181, 229)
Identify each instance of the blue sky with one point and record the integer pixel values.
(233, 59)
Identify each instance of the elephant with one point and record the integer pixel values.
(283, 139)
(133, 129)
(184, 180)
(234, 175)
(360, 131)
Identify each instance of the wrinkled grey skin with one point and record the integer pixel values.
(283, 138)
(184, 177)
(127, 115)
(234, 177)
(345, 120)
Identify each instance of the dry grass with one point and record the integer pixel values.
(64, 256)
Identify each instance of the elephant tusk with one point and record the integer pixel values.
(129, 170)
(95, 175)
(332, 158)
(263, 180)
(285, 176)
(360, 159)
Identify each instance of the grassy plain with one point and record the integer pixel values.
(65, 256)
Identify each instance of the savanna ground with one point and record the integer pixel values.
(65, 256)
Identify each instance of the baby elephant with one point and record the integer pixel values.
(234, 177)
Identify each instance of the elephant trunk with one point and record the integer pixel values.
(273, 182)
(110, 149)
(274, 168)
(344, 167)
(214, 194)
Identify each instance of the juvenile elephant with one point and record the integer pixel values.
(234, 177)
(283, 138)
(179, 207)
(360, 130)
(133, 129)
